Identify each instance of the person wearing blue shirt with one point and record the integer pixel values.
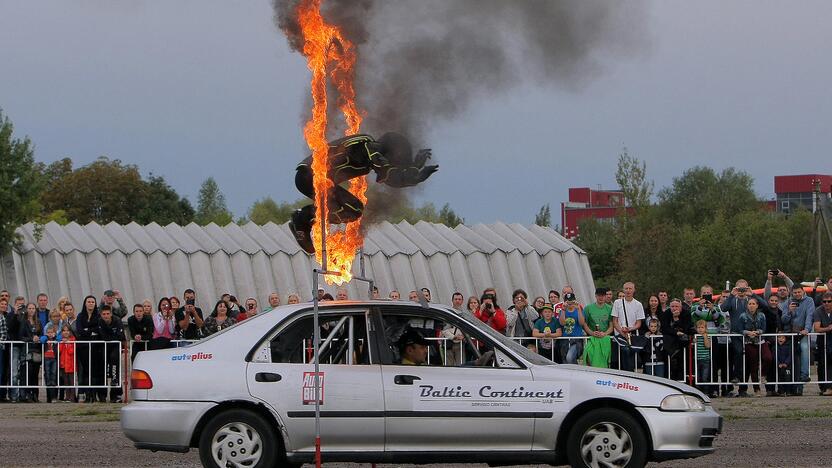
(800, 314)
(571, 322)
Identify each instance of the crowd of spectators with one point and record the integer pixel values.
(713, 340)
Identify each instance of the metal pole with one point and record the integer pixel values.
(818, 215)
(315, 342)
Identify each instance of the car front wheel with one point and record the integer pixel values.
(238, 438)
(607, 437)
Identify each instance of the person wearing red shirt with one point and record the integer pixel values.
(491, 313)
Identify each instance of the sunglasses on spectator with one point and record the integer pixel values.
(827, 301)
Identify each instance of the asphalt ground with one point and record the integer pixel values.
(771, 431)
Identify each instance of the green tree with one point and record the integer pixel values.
(631, 177)
(103, 191)
(163, 205)
(267, 210)
(603, 243)
(448, 217)
(211, 206)
(544, 216)
(700, 192)
(19, 183)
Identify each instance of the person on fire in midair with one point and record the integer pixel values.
(390, 157)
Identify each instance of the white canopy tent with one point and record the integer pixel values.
(152, 261)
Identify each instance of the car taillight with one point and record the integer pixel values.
(140, 380)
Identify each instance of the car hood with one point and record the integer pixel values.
(683, 388)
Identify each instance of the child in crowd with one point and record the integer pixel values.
(703, 358)
(66, 352)
(55, 321)
(50, 359)
(784, 365)
(654, 356)
(546, 327)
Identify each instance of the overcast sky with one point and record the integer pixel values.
(198, 88)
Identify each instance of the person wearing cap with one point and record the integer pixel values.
(413, 348)
(113, 299)
(560, 305)
(571, 323)
(545, 330)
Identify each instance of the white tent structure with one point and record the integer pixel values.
(152, 261)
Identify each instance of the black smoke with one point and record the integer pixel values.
(422, 62)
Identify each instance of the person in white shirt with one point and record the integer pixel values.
(627, 314)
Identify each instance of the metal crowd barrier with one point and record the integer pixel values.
(28, 366)
(768, 349)
(724, 369)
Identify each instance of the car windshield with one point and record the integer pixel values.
(513, 345)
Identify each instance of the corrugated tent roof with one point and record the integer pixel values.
(249, 258)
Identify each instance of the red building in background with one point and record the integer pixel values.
(792, 192)
(796, 191)
(585, 203)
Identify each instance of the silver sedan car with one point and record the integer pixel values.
(401, 383)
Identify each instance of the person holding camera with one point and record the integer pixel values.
(782, 291)
(735, 305)
(251, 308)
(520, 317)
(714, 319)
(820, 289)
(753, 324)
(189, 321)
(164, 325)
(491, 313)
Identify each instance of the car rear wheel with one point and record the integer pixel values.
(238, 438)
(607, 437)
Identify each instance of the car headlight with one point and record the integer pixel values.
(682, 403)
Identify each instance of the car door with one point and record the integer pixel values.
(282, 374)
(445, 405)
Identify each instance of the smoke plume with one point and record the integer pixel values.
(422, 62)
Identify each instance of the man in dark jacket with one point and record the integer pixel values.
(112, 331)
(140, 330)
(676, 330)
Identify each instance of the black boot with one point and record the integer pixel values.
(301, 227)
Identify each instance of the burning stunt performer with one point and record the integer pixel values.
(391, 157)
